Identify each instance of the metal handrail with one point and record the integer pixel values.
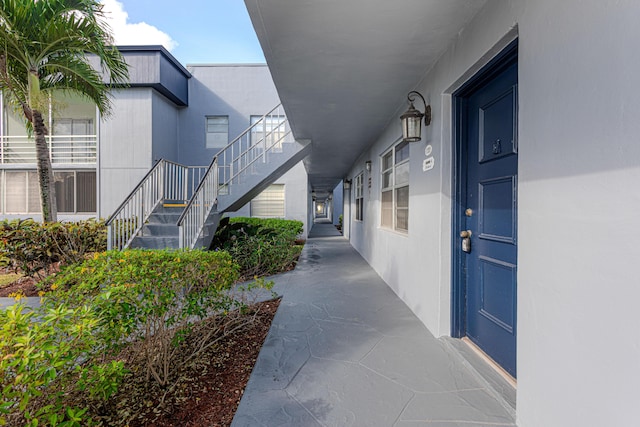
(234, 161)
(170, 181)
(204, 199)
(165, 181)
(239, 172)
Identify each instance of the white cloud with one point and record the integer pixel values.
(130, 33)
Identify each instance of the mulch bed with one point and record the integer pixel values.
(211, 399)
(25, 284)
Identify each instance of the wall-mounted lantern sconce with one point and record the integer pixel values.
(367, 165)
(347, 184)
(412, 118)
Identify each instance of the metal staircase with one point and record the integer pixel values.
(176, 206)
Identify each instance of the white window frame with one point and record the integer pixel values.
(358, 190)
(394, 178)
(209, 144)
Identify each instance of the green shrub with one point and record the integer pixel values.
(288, 228)
(154, 298)
(46, 356)
(33, 247)
(62, 361)
(259, 246)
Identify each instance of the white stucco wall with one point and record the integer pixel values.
(295, 184)
(295, 197)
(579, 165)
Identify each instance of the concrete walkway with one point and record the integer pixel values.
(33, 302)
(343, 350)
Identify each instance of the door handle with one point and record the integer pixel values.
(466, 240)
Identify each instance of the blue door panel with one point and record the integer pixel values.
(497, 290)
(497, 133)
(491, 195)
(497, 209)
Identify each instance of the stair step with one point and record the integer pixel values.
(164, 218)
(170, 208)
(150, 242)
(160, 229)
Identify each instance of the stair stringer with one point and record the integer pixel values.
(266, 174)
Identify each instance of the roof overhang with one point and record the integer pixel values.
(343, 68)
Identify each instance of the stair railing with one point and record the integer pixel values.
(194, 216)
(165, 181)
(230, 165)
(240, 156)
(172, 181)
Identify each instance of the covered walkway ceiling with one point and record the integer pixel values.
(343, 68)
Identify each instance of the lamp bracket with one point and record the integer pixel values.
(411, 96)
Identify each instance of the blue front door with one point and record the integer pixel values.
(489, 213)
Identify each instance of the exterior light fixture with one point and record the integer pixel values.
(367, 165)
(347, 184)
(412, 118)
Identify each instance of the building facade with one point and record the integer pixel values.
(185, 115)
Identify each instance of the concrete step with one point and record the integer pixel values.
(154, 242)
(156, 229)
(164, 218)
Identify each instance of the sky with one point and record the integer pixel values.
(194, 31)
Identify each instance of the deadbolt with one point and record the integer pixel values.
(468, 212)
(466, 240)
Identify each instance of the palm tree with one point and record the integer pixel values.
(47, 46)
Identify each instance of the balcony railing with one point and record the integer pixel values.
(63, 149)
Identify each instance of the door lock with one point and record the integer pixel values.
(466, 240)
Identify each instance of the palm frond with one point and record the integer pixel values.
(54, 39)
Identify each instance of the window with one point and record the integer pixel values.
(272, 128)
(395, 188)
(269, 203)
(22, 192)
(359, 196)
(75, 192)
(217, 132)
(73, 140)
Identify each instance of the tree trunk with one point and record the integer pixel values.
(45, 173)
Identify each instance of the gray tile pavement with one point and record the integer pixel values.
(343, 350)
